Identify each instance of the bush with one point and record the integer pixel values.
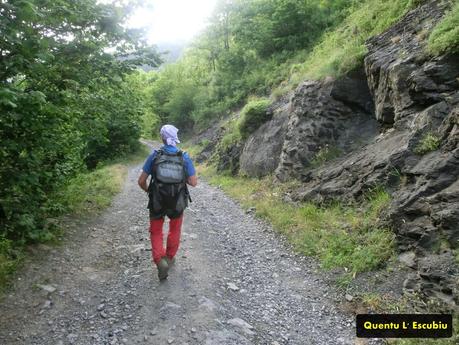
(428, 143)
(253, 115)
(8, 260)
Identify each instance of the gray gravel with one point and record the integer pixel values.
(235, 282)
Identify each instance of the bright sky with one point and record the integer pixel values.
(172, 21)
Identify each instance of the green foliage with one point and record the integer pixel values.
(346, 236)
(253, 115)
(232, 135)
(171, 95)
(204, 143)
(325, 154)
(445, 36)
(268, 27)
(254, 46)
(244, 51)
(9, 259)
(342, 49)
(150, 122)
(428, 143)
(112, 122)
(89, 192)
(64, 100)
(181, 105)
(353, 240)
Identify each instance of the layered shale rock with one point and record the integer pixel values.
(415, 97)
(322, 117)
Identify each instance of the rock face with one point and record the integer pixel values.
(414, 96)
(378, 118)
(334, 115)
(229, 158)
(323, 118)
(402, 79)
(206, 140)
(261, 153)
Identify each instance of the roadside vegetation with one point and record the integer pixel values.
(94, 190)
(244, 52)
(68, 106)
(85, 194)
(350, 237)
(343, 49)
(232, 134)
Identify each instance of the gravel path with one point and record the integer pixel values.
(235, 282)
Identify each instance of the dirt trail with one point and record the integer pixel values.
(235, 282)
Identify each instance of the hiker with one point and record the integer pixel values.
(171, 170)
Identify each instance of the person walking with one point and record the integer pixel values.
(171, 171)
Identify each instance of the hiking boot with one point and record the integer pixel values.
(170, 261)
(163, 268)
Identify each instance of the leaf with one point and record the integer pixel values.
(8, 97)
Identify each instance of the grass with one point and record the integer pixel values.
(195, 150)
(445, 36)
(430, 142)
(232, 134)
(344, 236)
(84, 194)
(454, 340)
(253, 115)
(384, 304)
(343, 49)
(325, 154)
(93, 191)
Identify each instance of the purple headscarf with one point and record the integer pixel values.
(169, 135)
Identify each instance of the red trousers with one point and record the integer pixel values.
(173, 238)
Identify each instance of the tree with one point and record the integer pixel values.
(58, 89)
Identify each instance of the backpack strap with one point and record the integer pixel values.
(152, 184)
(182, 156)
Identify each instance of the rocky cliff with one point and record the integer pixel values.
(393, 122)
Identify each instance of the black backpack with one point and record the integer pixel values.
(168, 192)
